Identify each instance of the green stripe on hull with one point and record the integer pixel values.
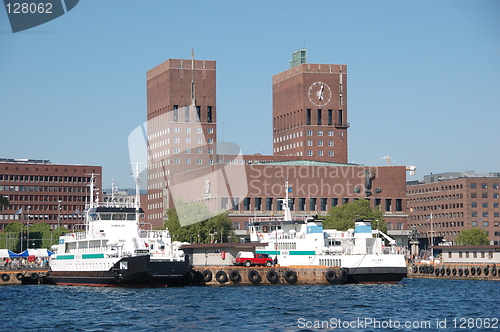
(291, 252)
(88, 256)
(303, 252)
(271, 252)
(66, 257)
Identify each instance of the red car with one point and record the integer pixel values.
(249, 258)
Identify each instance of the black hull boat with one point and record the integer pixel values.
(137, 271)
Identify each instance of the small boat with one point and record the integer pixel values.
(114, 251)
(360, 253)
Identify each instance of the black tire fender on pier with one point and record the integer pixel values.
(486, 271)
(343, 276)
(466, 272)
(207, 275)
(472, 271)
(414, 269)
(494, 272)
(221, 276)
(254, 277)
(478, 271)
(436, 271)
(431, 270)
(272, 276)
(460, 272)
(331, 276)
(454, 271)
(443, 271)
(5, 277)
(291, 277)
(19, 276)
(34, 276)
(234, 276)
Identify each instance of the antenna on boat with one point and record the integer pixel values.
(137, 190)
(286, 208)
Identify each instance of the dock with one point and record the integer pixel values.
(454, 271)
(276, 275)
(31, 276)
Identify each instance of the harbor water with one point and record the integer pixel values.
(413, 304)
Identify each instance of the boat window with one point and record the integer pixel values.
(130, 216)
(118, 216)
(105, 216)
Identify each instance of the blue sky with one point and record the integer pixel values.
(423, 76)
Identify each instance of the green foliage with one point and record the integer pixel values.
(472, 237)
(343, 217)
(17, 237)
(216, 229)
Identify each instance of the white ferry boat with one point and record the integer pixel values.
(114, 251)
(360, 252)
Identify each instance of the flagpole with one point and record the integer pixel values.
(432, 237)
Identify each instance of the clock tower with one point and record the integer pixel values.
(310, 112)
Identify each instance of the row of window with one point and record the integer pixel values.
(319, 117)
(484, 195)
(45, 189)
(436, 216)
(320, 153)
(435, 198)
(44, 178)
(302, 203)
(299, 134)
(188, 114)
(483, 186)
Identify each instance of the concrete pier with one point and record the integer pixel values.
(22, 277)
(454, 271)
(276, 275)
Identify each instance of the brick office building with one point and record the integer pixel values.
(39, 191)
(457, 201)
(309, 143)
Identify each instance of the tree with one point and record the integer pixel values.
(472, 237)
(214, 229)
(343, 217)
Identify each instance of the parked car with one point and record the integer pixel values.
(248, 258)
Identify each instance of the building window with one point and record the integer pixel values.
(186, 114)
(485, 195)
(309, 143)
(210, 161)
(199, 161)
(199, 130)
(210, 151)
(330, 117)
(319, 117)
(473, 204)
(302, 204)
(309, 153)
(269, 203)
(495, 195)
(323, 204)
(177, 150)
(495, 186)
(473, 186)
(198, 113)
(188, 161)
(176, 130)
(199, 141)
(474, 224)
(188, 130)
(309, 133)
(188, 151)
(330, 143)
(399, 204)
(484, 186)
(177, 161)
(210, 141)
(330, 153)
(188, 140)
(320, 132)
(388, 203)
(199, 151)
(209, 114)
(486, 223)
(176, 139)
(258, 203)
(473, 195)
(308, 117)
(485, 205)
(485, 214)
(176, 113)
(320, 143)
(320, 153)
(330, 133)
(496, 214)
(210, 130)
(312, 204)
(335, 202)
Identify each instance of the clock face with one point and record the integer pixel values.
(320, 93)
